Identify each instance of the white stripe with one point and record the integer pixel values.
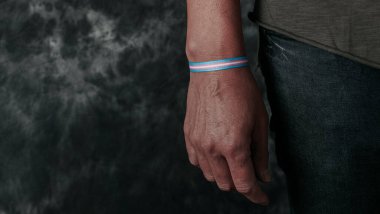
(219, 65)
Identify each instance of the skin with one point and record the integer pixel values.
(226, 123)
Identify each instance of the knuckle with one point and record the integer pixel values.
(210, 178)
(235, 151)
(193, 161)
(231, 149)
(225, 187)
(208, 146)
(243, 188)
(240, 159)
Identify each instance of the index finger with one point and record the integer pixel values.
(244, 178)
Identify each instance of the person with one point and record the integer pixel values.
(321, 64)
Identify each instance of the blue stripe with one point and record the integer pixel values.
(218, 61)
(221, 68)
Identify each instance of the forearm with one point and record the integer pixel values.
(214, 30)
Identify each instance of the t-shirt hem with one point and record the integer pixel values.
(319, 45)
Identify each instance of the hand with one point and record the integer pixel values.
(226, 131)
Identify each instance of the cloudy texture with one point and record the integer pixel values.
(92, 96)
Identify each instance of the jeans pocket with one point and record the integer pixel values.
(271, 33)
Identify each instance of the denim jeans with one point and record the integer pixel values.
(326, 122)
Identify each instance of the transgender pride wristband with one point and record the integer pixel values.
(217, 65)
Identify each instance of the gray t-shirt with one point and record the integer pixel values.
(350, 28)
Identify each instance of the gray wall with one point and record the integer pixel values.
(92, 96)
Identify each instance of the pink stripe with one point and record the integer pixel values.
(218, 65)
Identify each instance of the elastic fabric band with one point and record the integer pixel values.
(217, 65)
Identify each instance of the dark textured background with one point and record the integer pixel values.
(91, 105)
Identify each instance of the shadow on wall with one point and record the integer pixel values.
(92, 103)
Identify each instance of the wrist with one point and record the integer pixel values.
(226, 78)
(204, 50)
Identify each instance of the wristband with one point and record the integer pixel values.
(217, 65)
